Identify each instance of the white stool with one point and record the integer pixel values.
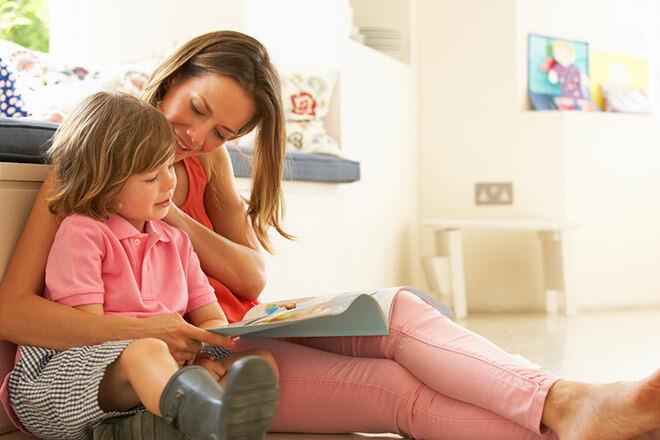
(446, 274)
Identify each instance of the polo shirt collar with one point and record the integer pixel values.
(156, 231)
(123, 229)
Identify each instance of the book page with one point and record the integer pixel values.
(308, 307)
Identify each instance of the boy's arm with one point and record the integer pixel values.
(208, 316)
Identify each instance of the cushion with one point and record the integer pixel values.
(26, 140)
(310, 137)
(306, 95)
(48, 85)
(11, 101)
(42, 85)
(301, 166)
(306, 99)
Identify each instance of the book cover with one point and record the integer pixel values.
(361, 313)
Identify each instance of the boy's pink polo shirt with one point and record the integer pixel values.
(131, 273)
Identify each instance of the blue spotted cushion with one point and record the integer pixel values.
(11, 103)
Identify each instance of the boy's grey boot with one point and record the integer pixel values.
(198, 406)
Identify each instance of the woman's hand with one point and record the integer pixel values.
(184, 339)
(229, 252)
(174, 216)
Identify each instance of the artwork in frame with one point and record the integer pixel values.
(619, 83)
(558, 74)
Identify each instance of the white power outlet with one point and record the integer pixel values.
(493, 193)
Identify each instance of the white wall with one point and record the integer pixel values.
(96, 32)
(475, 128)
(469, 60)
(300, 33)
(352, 236)
(297, 32)
(468, 133)
(388, 14)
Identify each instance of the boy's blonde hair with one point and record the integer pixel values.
(105, 140)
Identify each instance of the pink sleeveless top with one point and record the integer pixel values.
(233, 306)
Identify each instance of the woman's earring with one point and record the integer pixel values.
(119, 205)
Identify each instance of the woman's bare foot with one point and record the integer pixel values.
(651, 435)
(617, 411)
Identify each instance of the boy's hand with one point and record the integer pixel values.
(214, 367)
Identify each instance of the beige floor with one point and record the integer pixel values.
(595, 347)
(592, 347)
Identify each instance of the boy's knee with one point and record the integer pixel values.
(147, 346)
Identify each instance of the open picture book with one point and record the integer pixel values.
(362, 313)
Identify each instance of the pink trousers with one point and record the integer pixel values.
(428, 379)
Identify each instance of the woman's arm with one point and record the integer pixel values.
(231, 252)
(96, 309)
(28, 318)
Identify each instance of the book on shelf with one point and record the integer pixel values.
(362, 313)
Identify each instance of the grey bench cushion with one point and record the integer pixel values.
(302, 166)
(26, 140)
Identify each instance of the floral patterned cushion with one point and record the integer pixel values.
(48, 85)
(306, 95)
(11, 101)
(306, 100)
(310, 137)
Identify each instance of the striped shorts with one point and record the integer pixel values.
(55, 393)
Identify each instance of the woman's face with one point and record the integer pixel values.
(205, 111)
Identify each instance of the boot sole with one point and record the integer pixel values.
(250, 400)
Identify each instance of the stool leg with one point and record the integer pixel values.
(450, 243)
(570, 307)
(557, 275)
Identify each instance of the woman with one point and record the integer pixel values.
(428, 379)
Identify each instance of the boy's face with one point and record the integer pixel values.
(147, 196)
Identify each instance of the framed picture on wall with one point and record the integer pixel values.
(558, 74)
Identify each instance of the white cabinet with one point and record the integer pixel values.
(19, 184)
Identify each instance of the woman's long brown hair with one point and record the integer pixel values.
(245, 60)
